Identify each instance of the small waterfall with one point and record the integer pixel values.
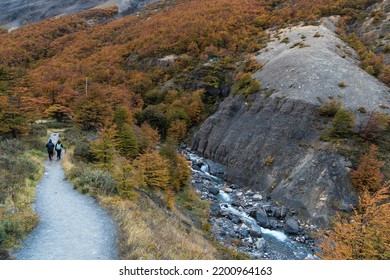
(224, 197)
(252, 222)
(275, 233)
(205, 168)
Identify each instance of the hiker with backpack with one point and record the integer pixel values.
(59, 148)
(50, 149)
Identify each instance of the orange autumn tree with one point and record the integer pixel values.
(154, 170)
(59, 112)
(365, 235)
(149, 137)
(368, 176)
(177, 130)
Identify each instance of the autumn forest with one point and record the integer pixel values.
(127, 91)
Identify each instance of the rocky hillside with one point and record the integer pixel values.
(270, 141)
(14, 13)
(376, 29)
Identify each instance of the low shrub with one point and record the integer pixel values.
(246, 85)
(343, 124)
(83, 152)
(11, 147)
(3, 234)
(94, 181)
(374, 127)
(330, 108)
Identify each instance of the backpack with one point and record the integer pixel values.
(58, 146)
(50, 146)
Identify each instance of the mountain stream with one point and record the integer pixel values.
(234, 223)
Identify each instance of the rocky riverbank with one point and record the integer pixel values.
(246, 220)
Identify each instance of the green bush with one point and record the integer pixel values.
(155, 117)
(154, 96)
(83, 152)
(128, 144)
(246, 85)
(35, 143)
(24, 165)
(343, 124)
(330, 108)
(3, 234)
(11, 147)
(6, 162)
(92, 180)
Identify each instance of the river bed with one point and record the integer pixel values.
(247, 221)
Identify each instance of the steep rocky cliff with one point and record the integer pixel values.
(270, 141)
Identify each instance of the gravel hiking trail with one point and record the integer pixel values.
(72, 226)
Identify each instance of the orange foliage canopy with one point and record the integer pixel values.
(120, 57)
(365, 235)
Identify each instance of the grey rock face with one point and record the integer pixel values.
(126, 7)
(375, 29)
(14, 13)
(312, 65)
(306, 175)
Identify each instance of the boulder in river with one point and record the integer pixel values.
(215, 209)
(273, 224)
(291, 226)
(236, 203)
(227, 190)
(260, 244)
(234, 218)
(262, 218)
(250, 193)
(195, 167)
(214, 190)
(255, 232)
(245, 233)
(275, 211)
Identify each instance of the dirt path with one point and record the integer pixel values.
(72, 226)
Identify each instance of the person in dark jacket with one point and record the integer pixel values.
(59, 148)
(50, 149)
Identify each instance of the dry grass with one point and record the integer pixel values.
(149, 233)
(67, 160)
(17, 213)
